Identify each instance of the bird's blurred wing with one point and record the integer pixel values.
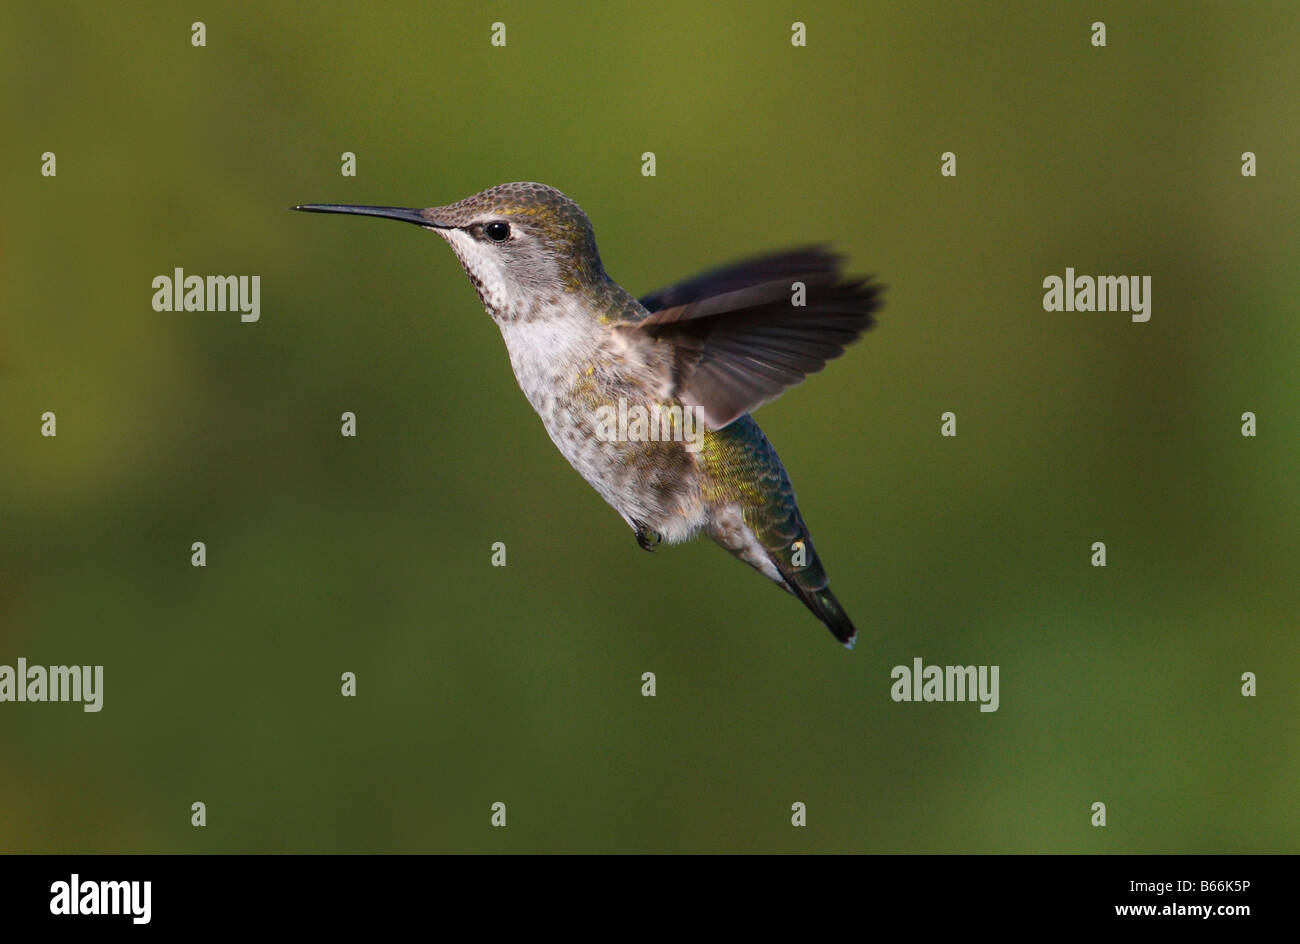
(793, 264)
(738, 337)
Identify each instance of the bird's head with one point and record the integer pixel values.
(522, 244)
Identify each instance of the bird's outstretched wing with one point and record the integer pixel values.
(739, 337)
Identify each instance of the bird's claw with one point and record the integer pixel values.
(646, 539)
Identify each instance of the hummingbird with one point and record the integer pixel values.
(701, 356)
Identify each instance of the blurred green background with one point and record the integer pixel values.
(522, 684)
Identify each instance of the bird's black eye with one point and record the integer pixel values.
(497, 231)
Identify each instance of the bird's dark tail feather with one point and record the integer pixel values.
(827, 609)
(808, 582)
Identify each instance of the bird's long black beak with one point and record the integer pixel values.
(389, 213)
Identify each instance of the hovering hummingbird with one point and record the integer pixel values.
(712, 349)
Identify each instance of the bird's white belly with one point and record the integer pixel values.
(548, 358)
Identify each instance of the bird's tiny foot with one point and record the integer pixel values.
(646, 539)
